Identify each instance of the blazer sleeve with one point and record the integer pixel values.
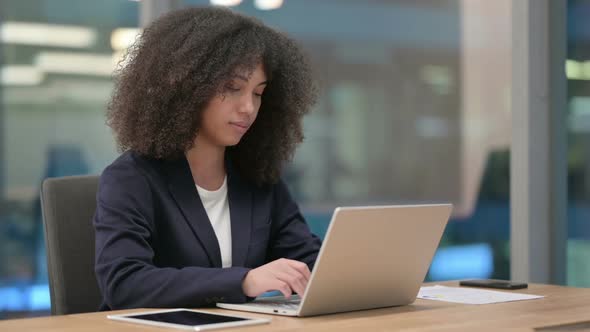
(124, 266)
(291, 237)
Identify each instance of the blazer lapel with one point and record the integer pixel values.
(240, 210)
(182, 187)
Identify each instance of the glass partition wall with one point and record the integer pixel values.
(414, 108)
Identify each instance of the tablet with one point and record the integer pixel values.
(186, 319)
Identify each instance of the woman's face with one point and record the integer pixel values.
(228, 116)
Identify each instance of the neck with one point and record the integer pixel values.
(207, 163)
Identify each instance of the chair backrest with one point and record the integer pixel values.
(68, 205)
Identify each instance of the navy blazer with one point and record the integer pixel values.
(155, 246)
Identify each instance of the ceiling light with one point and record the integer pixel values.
(46, 34)
(20, 75)
(586, 70)
(75, 63)
(122, 38)
(268, 4)
(226, 3)
(573, 69)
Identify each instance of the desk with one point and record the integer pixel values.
(562, 305)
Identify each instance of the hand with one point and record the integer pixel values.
(284, 275)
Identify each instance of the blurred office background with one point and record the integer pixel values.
(414, 107)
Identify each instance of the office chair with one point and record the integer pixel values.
(68, 205)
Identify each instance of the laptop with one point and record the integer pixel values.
(372, 257)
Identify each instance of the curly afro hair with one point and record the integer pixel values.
(184, 59)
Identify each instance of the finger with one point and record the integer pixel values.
(301, 285)
(300, 279)
(301, 268)
(282, 287)
(283, 271)
(295, 282)
(286, 266)
(298, 269)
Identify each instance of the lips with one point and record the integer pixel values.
(241, 127)
(244, 125)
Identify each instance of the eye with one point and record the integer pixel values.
(231, 87)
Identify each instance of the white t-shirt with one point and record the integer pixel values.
(217, 207)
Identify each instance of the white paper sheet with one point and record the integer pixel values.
(471, 295)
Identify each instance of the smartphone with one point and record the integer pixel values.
(492, 283)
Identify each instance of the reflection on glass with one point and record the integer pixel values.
(414, 107)
(577, 69)
(55, 80)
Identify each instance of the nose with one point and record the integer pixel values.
(247, 105)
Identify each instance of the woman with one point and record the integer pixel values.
(207, 111)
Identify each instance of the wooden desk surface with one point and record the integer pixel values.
(561, 305)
